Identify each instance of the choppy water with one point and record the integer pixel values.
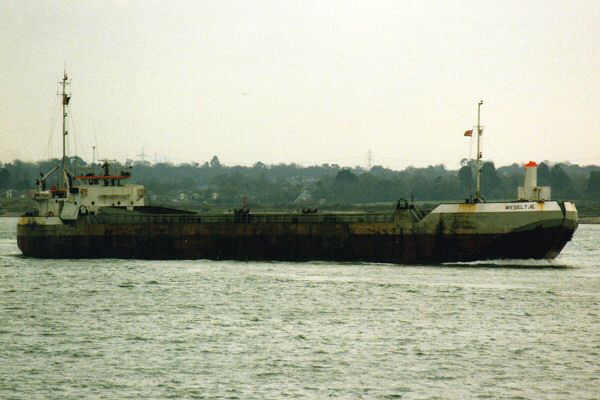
(204, 329)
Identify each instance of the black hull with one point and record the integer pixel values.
(172, 242)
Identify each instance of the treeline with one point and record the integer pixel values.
(212, 183)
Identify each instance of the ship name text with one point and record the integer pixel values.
(516, 207)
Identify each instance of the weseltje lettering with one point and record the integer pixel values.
(517, 207)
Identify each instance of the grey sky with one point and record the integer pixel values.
(304, 81)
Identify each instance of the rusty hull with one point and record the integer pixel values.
(400, 237)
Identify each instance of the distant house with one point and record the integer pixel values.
(10, 193)
(181, 197)
(303, 197)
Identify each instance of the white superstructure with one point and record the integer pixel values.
(84, 194)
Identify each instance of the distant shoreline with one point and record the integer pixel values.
(589, 220)
(11, 214)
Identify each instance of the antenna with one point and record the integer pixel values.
(369, 159)
(94, 160)
(478, 193)
(142, 155)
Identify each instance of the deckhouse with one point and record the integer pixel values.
(84, 194)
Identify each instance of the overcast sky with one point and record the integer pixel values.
(309, 82)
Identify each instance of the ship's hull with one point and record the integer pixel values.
(536, 244)
(450, 238)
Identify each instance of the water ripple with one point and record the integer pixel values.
(205, 329)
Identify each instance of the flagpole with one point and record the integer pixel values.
(478, 193)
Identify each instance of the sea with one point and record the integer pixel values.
(128, 329)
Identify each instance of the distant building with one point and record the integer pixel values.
(303, 197)
(181, 197)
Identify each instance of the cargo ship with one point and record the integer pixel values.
(100, 215)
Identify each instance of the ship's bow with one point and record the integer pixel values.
(567, 229)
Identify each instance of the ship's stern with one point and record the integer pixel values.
(35, 234)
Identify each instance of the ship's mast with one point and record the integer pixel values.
(65, 107)
(478, 193)
(94, 160)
